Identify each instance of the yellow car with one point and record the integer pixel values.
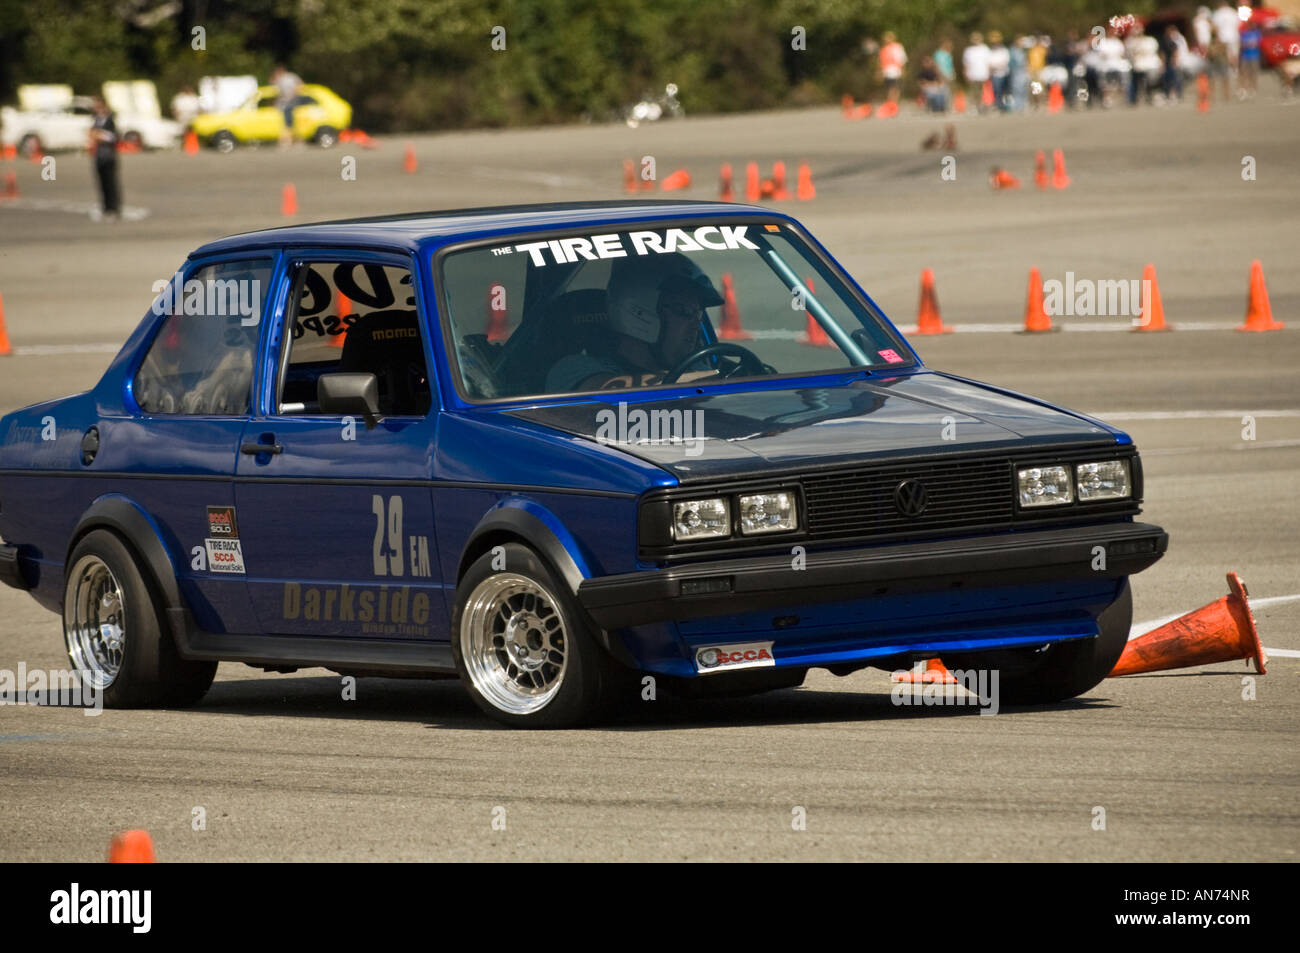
(318, 117)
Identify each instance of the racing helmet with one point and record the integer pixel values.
(636, 284)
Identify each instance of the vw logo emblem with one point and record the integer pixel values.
(910, 498)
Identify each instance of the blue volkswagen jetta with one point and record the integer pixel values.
(554, 449)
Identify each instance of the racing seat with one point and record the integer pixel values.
(573, 322)
(388, 345)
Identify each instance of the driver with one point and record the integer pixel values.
(657, 313)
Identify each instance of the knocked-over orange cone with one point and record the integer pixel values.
(725, 191)
(131, 847)
(1036, 317)
(4, 336)
(680, 179)
(1000, 178)
(1259, 313)
(935, 672)
(1223, 631)
(888, 110)
(1153, 311)
(1040, 170)
(731, 329)
(409, 164)
(289, 200)
(1059, 179)
(928, 320)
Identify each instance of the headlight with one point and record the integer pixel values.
(1107, 480)
(701, 519)
(1044, 486)
(767, 513)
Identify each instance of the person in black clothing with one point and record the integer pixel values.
(103, 141)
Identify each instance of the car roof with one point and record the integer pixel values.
(413, 230)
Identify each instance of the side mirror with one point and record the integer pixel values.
(349, 393)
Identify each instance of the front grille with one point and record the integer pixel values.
(960, 494)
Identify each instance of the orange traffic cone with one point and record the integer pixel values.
(779, 192)
(1059, 179)
(11, 185)
(131, 847)
(1223, 631)
(1000, 178)
(1055, 99)
(4, 336)
(1153, 312)
(344, 308)
(846, 106)
(409, 165)
(731, 329)
(928, 320)
(1036, 318)
(498, 313)
(725, 191)
(1259, 313)
(934, 673)
(986, 93)
(805, 191)
(360, 137)
(629, 176)
(861, 111)
(814, 334)
(191, 143)
(959, 102)
(8, 152)
(1040, 170)
(888, 110)
(1203, 93)
(680, 179)
(751, 182)
(289, 200)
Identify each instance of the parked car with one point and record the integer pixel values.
(527, 446)
(319, 118)
(51, 119)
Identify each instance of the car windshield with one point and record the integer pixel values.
(695, 303)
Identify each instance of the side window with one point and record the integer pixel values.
(201, 361)
(355, 317)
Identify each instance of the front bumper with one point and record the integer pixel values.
(769, 582)
(10, 572)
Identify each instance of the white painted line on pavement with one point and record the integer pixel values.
(1009, 327)
(1189, 414)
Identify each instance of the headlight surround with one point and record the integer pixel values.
(701, 519)
(1044, 486)
(774, 512)
(1103, 480)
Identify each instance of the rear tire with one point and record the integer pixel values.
(112, 628)
(326, 137)
(523, 648)
(223, 140)
(1059, 671)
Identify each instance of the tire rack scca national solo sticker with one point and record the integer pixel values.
(222, 541)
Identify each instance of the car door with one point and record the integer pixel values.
(337, 516)
(176, 449)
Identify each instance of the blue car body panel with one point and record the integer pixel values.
(471, 475)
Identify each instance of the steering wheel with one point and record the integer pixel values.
(746, 360)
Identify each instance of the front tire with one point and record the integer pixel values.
(223, 140)
(1062, 670)
(326, 137)
(112, 629)
(522, 647)
(30, 145)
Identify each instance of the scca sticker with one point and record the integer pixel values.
(727, 658)
(221, 522)
(225, 555)
(565, 251)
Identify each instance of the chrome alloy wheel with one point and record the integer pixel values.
(513, 643)
(94, 620)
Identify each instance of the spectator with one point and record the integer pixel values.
(1202, 30)
(1144, 64)
(1227, 28)
(892, 60)
(1216, 66)
(943, 63)
(1251, 38)
(103, 142)
(975, 67)
(1018, 92)
(1113, 64)
(933, 87)
(1176, 54)
(287, 85)
(999, 68)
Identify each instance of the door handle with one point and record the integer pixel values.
(256, 448)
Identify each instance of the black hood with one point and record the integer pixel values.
(718, 435)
